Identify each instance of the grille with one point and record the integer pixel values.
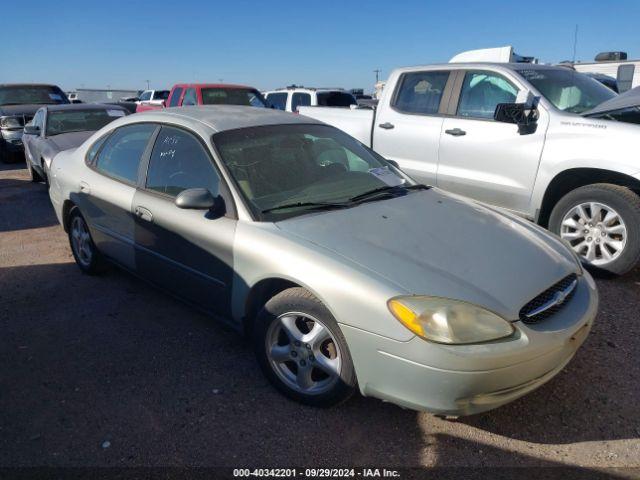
(550, 298)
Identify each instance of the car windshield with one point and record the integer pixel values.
(233, 96)
(287, 170)
(567, 89)
(336, 99)
(80, 120)
(31, 94)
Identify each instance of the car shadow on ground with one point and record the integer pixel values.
(30, 199)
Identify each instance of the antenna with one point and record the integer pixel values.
(575, 43)
(377, 72)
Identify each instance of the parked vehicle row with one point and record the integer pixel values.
(544, 142)
(345, 272)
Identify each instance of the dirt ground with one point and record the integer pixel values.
(107, 371)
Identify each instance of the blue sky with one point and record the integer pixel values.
(272, 43)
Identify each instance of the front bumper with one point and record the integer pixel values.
(469, 379)
(11, 141)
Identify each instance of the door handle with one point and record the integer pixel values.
(84, 188)
(387, 125)
(143, 214)
(456, 132)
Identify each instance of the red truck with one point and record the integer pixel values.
(183, 94)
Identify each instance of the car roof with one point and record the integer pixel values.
(227, 117)
(82, 106)
(213, 85)
(480, 65)
(28, 85)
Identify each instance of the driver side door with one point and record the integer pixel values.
(187, 252)
(484, 159)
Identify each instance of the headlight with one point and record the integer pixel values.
(10, 122)
(443, 320)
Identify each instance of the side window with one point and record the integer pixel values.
(178, 162)
(93, 149)
(190, 97)
(625, 77)
(120, 156)
(421, 92)
(300, 100)
(38, 119)
(482, 92)
(175, 97)
(278, 100)
(146, 96)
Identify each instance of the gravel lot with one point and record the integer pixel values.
(107, 371)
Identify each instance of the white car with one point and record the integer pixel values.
(291, 98)
(546, 142)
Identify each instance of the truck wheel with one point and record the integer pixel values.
(602, 224)
(302, 351)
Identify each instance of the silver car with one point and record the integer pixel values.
(60, 127)
(344, 272)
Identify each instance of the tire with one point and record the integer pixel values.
(34, 176)
(617, 250)
(85, 253)
(318, 371)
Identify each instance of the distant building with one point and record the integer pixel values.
(99, 95)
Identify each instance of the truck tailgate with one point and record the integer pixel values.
(357, 122)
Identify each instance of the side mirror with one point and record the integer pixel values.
(521, 114)
(394, 163)
(200, 199)
(31, 130)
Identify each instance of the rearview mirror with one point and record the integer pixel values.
(31, 130)
(200, 199)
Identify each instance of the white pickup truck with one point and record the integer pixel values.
(545, 142)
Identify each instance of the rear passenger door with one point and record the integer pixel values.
(409, 131)
(106, 190)
(188, 252)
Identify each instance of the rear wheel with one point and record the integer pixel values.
(601, 222)
(302, 351)
(84, 251)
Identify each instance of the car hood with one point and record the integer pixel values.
(630, 98)
(28, 109)
(431, 243)
(69, 140)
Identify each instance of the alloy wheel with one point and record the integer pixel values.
(81, 241)
(303, 353)
(595, 231)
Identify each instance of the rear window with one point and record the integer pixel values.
(31, 94)
(161, 95)
(233, 96)
(336, 99)
(81, 120)
(278, 100)
(175, 98)
(300, 100)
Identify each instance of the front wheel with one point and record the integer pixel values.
(302, 351)
(601, 222)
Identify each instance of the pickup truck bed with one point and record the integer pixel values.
(357, 122)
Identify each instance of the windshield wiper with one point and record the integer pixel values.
(309, 206)
(388, 190)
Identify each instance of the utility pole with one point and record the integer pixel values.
(377, 72)
(575, 43)
(147, 84)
